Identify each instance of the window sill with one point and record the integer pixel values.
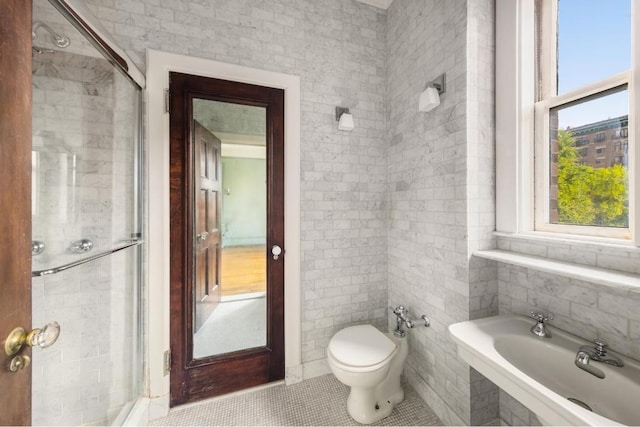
(571, 239)
(602, 276)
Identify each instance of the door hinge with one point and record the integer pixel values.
(167, 100)
(167, 362)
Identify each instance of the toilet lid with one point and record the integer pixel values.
(360, 346)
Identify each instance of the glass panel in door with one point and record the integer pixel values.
(85, 202)
(230, 227)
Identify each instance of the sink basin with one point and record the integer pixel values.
(542, 375)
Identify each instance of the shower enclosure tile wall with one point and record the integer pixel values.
(84, 186)
(82, 163)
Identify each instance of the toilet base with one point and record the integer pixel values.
(366, 406)
(373, 394)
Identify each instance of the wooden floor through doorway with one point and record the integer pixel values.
(244, 270)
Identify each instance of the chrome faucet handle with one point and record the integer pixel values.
(540, 317)
(598, 353)
(582, 362)
(399, 310)
(540, 328)
(601, 347)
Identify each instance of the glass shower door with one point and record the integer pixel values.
(86, 228)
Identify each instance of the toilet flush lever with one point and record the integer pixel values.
(276, 251)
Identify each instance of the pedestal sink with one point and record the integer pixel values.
(542, 375)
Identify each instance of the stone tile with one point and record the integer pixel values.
(302, 404)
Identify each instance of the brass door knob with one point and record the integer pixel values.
(19, 362)
(41, 337)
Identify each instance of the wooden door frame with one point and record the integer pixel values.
(15, 200)
(159, 64)
(195, 379)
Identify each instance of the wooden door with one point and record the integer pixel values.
(207, 148)
(193, 379)
(15, 201)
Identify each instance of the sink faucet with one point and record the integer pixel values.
(597, 353)
(540, 328)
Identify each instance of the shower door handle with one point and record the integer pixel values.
(39, 337)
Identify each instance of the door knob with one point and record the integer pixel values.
(202, 237)
(19, 362)
(41, 337)
(276, 251)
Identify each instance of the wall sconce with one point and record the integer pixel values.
(344, 119)
(430, 97)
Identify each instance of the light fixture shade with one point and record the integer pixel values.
(346, 122)
(429, 99)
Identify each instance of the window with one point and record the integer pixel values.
(562, 89)
(583, 80)
(581, 142)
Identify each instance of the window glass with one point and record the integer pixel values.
(594, 41)
(588, 177)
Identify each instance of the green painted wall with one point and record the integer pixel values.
(244, 201)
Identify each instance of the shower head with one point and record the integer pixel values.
(58, 39)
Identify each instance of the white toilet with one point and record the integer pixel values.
(370, 362)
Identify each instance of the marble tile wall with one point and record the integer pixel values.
(337, 48)
(83, 164)
(440, 181)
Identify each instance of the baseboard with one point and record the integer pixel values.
(293, 375)
(315, 368)
(158, 407)
(138, 415)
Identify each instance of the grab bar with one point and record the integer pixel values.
(83, 261)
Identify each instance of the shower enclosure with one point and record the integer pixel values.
(86, 220)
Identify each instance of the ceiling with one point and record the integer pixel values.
(382, 4)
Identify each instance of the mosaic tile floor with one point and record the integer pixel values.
(320, 401)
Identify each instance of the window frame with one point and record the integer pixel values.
(516, 110)
(542, 162)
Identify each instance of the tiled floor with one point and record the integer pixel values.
(320, 401)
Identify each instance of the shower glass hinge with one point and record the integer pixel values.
(167, 362)
(166, 100)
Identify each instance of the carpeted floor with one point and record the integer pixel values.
(320, 401)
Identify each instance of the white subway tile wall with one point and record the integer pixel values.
(338, 49)
(440, 183)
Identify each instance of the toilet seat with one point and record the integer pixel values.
(361, 348)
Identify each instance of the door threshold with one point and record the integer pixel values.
(240, 297)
